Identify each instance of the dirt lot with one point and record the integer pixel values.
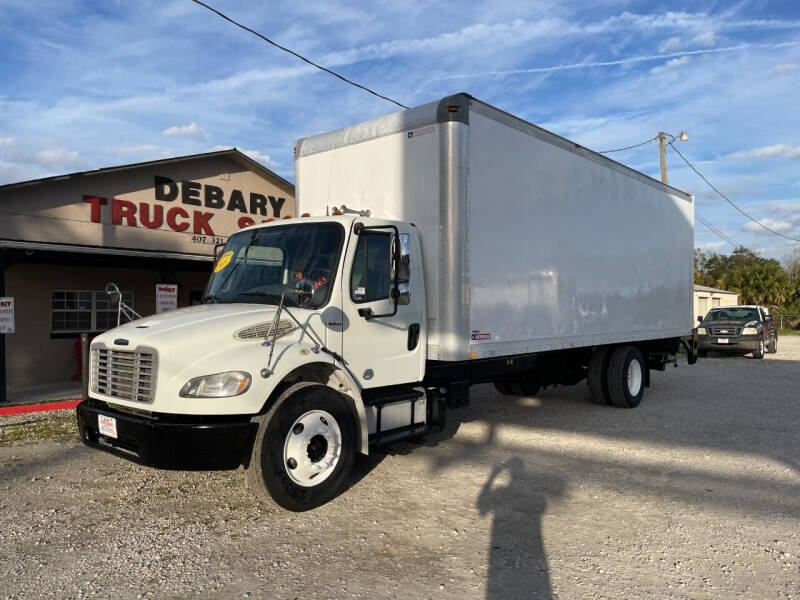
(695, 494)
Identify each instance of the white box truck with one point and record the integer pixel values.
(443, 246)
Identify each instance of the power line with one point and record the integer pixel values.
(714, 229)
(300, 56)
(651, 140)
(728, 200)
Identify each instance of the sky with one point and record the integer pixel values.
(87, 84)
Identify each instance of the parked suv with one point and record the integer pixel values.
(739, 329)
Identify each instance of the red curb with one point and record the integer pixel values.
(29, 408)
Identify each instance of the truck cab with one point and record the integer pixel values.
(306, 306)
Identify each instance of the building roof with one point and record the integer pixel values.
(231, 153)
(704, 288)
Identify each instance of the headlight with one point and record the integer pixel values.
(749, 331)
(219, 385)
(701, 331)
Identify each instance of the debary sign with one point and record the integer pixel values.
(178, 205)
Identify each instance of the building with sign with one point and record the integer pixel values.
(63, 238)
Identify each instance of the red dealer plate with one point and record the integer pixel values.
(107, 426)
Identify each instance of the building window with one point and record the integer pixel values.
(82, 311)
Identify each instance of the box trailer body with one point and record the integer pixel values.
(530, 242)
(444, 246)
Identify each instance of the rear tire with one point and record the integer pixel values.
(523, 387)
(773, 347)
(503, 387)
(308, 436)
(597, 378)
(626, 374)
(759, 352)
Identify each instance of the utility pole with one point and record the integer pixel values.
(663, 140)
(662, 151)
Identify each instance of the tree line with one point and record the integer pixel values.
(757, 280)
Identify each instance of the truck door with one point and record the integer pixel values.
(385, 344)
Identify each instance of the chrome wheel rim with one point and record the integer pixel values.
(312, 448)
(634, 377)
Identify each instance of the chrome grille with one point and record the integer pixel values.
(262, 331)
(729, 331)
(124, 374)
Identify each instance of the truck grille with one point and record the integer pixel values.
(124, 374)
(730, 331)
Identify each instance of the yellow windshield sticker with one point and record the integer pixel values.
(223, 261)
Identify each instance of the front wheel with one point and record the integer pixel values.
(304, 449)
(760, 351)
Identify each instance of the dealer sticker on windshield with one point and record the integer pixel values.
(223, 261)
(107, 426)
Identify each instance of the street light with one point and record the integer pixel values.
(662, 148)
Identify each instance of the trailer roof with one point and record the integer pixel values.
(457, 108)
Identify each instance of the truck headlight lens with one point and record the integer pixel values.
(219, 385)
(701, 331)
(749, 331)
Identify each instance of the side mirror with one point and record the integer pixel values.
(700, 318)
(217, 248)
(113, 293)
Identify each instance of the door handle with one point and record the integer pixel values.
(413, 336)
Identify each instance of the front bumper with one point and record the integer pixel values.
(742, 343)
(170, 441)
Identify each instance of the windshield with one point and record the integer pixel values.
(258, 265)
(732, 313)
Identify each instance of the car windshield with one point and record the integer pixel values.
(732, 313)
(260, 264)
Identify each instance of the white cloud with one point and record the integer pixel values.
(256, 155)
(59, 159)
(783, 69)
(776, 150)
(6, 140)
(191, 130)
(711, 245)
(624, 61)
(775, 225)
(670, 64)
(706, 38)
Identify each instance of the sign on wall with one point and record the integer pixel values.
(166, 297)
(7, 315)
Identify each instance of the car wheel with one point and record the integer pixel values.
(759, 352)
(304, 448)
(597, 377)
(773, 347)
(626, 373)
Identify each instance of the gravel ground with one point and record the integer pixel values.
(695, 494)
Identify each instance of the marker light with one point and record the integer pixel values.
(271, 219)
(287, 216)
(306, 215)
(219, 385)
(336, 212)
